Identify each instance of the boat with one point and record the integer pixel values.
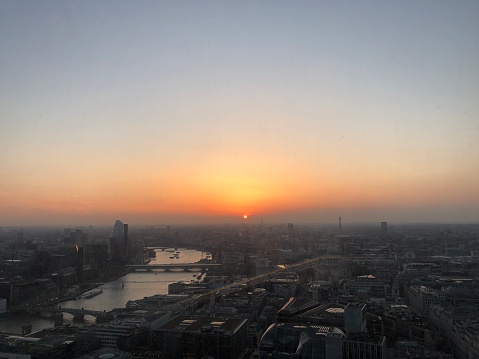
(172, 257)
(91, 294)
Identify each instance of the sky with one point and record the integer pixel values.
(165, 112)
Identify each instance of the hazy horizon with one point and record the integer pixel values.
(198, 112)
(156, 226)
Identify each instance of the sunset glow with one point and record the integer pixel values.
(194, 113)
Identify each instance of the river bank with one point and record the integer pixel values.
(117, 292)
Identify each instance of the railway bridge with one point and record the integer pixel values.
(56, 313)
(173, 266)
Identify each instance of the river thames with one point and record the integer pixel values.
(116, 294)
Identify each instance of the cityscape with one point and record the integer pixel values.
(351, 290)
(239, 179)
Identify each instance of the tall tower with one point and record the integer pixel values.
(340, 229)
(117, 242)
(117, 232)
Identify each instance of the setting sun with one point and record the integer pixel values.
(245, 216)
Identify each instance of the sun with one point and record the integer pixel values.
(245, 216)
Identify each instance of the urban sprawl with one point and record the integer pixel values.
(359, 291)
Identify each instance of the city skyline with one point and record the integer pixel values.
(206, 112)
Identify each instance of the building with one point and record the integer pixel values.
(202, 337)
(118, 230)
(421, 297)
(20, 291)
(78, 237)
(400, 321)
(47, 345)
(363, 345)
(117, 335)
(79, 264)
(3, 305)
(301, 341)
(355, 318)
(105, 353)
(367, 286)
(119, 243)
(82, 342)
(321, 291)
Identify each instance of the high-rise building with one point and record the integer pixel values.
(355, 318)
(118, 242)
(117, 232)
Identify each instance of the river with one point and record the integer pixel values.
(116, 294)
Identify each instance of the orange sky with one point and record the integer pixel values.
(203, 112)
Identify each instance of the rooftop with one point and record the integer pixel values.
(198, 324)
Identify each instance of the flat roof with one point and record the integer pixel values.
(186, 323)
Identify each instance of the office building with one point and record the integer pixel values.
(355, 318)
(202, 337)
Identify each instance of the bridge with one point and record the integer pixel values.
(57, 312)
(169, 267)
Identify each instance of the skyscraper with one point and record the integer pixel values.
(118, 240)
(117, 232)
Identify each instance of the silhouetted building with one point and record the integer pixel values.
(118, 230)
(125, 232)
(79, 264)
(77, 237)
(118, 239)
(116, 251)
